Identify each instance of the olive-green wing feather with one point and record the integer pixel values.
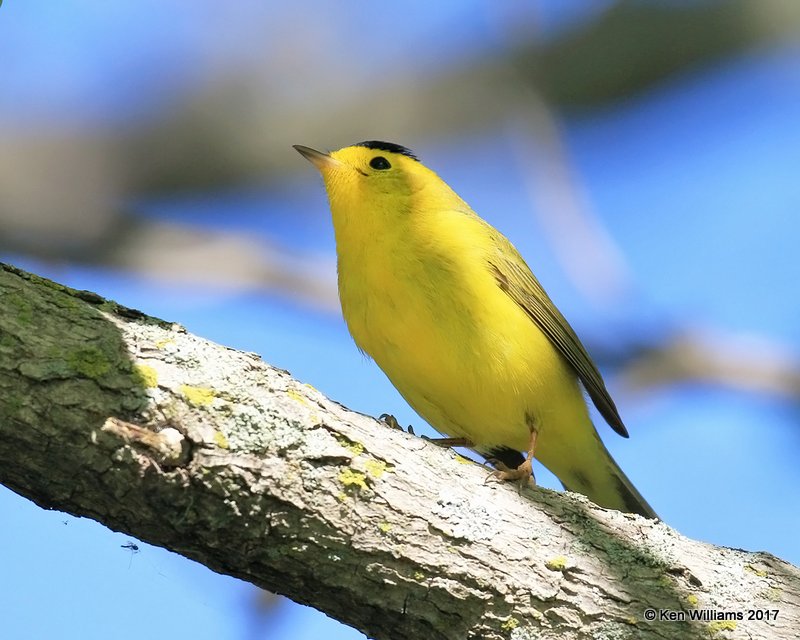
(515, 278)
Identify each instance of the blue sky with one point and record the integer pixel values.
(695, 181)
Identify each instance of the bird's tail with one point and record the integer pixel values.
(607, 486)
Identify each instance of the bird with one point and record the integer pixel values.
(449, 310)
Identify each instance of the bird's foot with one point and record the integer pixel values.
(392, 422)
(522, 475)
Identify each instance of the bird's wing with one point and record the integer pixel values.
(515, 278)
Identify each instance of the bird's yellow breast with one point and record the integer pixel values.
(422, 300)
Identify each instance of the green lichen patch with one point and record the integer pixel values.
(198, 396)
(356, 448)
(376, 468)
(90, 362)
(773, 594)
(220, 440)
(759, 572)
(353, 479)
(21, 307)
(510, 624)
(297, 397)
(147, 375)
(558, 563)
(721, 625)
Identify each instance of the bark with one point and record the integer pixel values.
(212, 453)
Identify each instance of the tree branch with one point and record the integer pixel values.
(132, 421)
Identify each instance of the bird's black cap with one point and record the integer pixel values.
(387, 146)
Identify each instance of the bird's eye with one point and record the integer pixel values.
(380, 163)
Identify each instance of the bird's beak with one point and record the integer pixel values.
(321, 161)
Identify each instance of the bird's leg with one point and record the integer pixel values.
(391, 421)
(451, 442)
(523, 474)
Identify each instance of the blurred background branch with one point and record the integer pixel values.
(66, 191)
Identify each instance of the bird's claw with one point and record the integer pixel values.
(390, 421)
(522, 475)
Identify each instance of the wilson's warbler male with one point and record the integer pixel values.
(447, 307)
